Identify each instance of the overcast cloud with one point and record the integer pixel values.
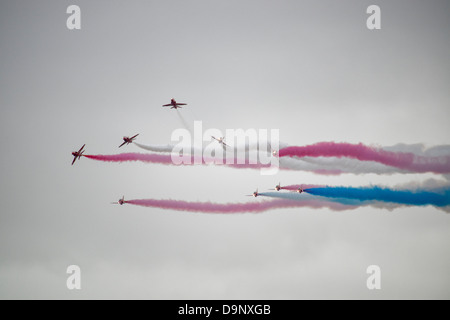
(308, 68)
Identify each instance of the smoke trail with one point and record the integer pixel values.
(166, 148)
(420, 149)
(184, 122)
(336, 166)
(246, 147)
(318, 166)
(438, 197)
(402, 160)
(125, 157)
(251, 207)
(295, 187)
(156, 148)
(322, 166)
(167, 160)
(294, 196)
(351, 203)
(284, 200)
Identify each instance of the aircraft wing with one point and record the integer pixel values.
(81, 148)
(167, 105)
(122, 144)
(74, 159)
(134, 136)
(181, 104)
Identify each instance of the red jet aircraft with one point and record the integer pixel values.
(255, 194)
(121, 201)
(77, 154)
(174, 105)
(221, 140)
(127, 140)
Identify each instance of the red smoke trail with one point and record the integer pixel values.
(253, 207)
(166, 159)
(403, 160)
(123, 157)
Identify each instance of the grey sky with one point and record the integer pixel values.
(309, 68)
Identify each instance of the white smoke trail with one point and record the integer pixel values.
(184, 122)
(420, 149)
(166, 148)
(246, 148)
(336, 165)
(428, 184)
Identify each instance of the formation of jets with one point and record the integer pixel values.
(174, 104)
(127, 140)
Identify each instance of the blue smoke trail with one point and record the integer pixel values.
(307, 197)
(438, 197)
